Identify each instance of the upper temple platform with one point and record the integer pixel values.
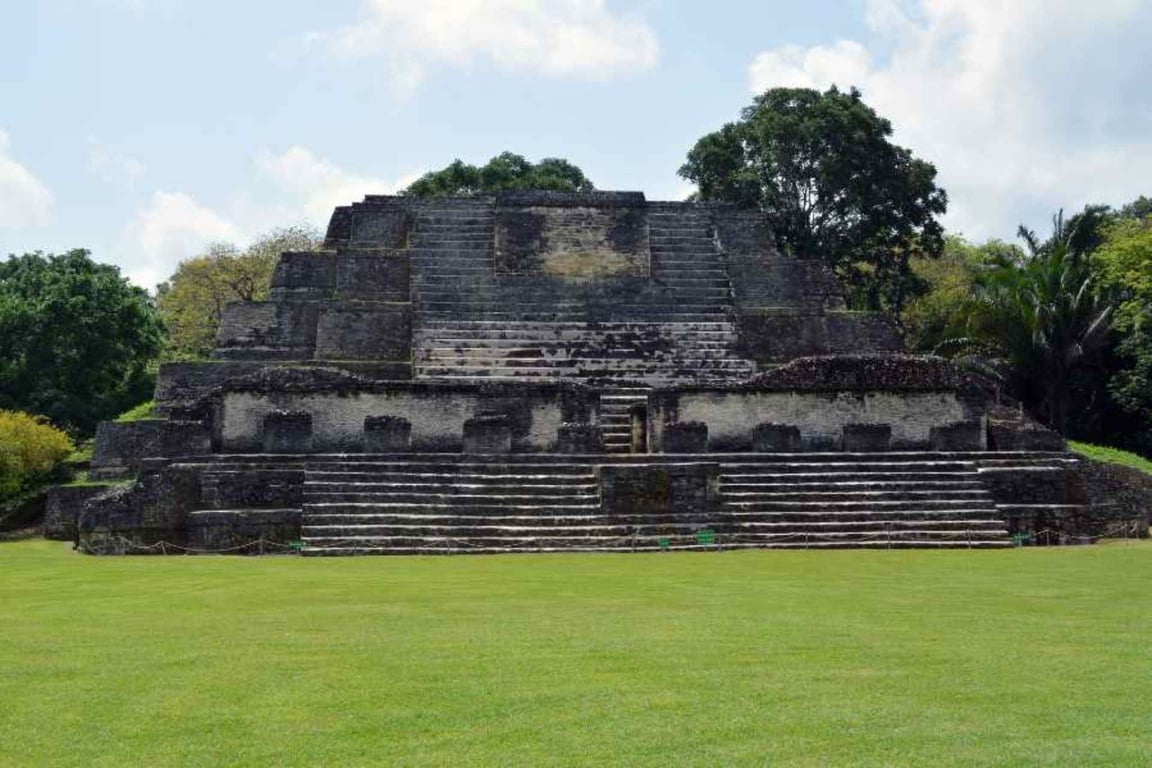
(602, 287)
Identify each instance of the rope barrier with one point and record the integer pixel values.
(119, 545)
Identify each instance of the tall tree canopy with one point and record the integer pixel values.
(76, 339)
(1124, 261)
(192, 301)
(822, 168)
(503, 173)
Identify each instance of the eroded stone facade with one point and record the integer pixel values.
(537, 371)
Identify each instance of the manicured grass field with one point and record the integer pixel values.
(1025, 657)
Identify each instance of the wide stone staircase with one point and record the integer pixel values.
(453, 504)
(471, 322)
(895, 500)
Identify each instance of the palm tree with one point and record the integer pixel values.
(1039, 308)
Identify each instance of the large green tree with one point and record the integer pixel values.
(834, 187)
(76, 339)
(192, 301)
(503, 173)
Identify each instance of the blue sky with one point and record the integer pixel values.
(145, 129)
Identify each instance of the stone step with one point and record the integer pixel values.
(561, 317)
(397, 478)
(452, 497)
(561, 338)
(729, 495)
(654, 375)
(664, 327)
(837, 517)
(848, 463)
(542, 355)
(686, 306)
(870, 505)
(412, 507)
(462, 363)
(851, 486)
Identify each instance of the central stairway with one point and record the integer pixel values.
(674, 324)
(441, 503)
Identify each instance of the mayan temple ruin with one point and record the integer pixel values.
(545, 371)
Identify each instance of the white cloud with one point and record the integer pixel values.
(1024, 107)
(818, 67)
(112, 167)
(172, 227)
(556, 38)
(24, 201)
(317, 185)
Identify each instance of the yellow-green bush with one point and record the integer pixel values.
(30, 448)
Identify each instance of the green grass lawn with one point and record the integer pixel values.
(1025, 657)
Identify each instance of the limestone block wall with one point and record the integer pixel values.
(776, 335)
(369, 274)
(731, 415)
(436, 414)
(267, 330)
(180, 385)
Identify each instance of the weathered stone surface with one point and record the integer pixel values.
(861, 438)
(243, 531)
(185, 438)
(663, 492)
(180, 385)
(387, 434)
(686, 437)
(252, 488)
(1024, 484)
(731, 411)
(580, 438)
(364, 331)
(1020, 436)
(1126, 490)
(573, 242)
(64, 506)
(489, 433)
(504, 332)
(775, 438)
(961, 436)
(339, 402)
(120, 448)
(132, 519)
(268, 330)
(287, 432)
(855, 373)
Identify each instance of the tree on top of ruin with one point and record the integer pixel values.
(507, 172)
(834, 187)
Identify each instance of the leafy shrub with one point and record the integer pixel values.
(30, 449)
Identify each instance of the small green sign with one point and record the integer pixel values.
(296, 546)
(664, 543)
(706, 537)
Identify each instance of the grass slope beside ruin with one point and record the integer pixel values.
(1034, 657)
(1112, 456)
